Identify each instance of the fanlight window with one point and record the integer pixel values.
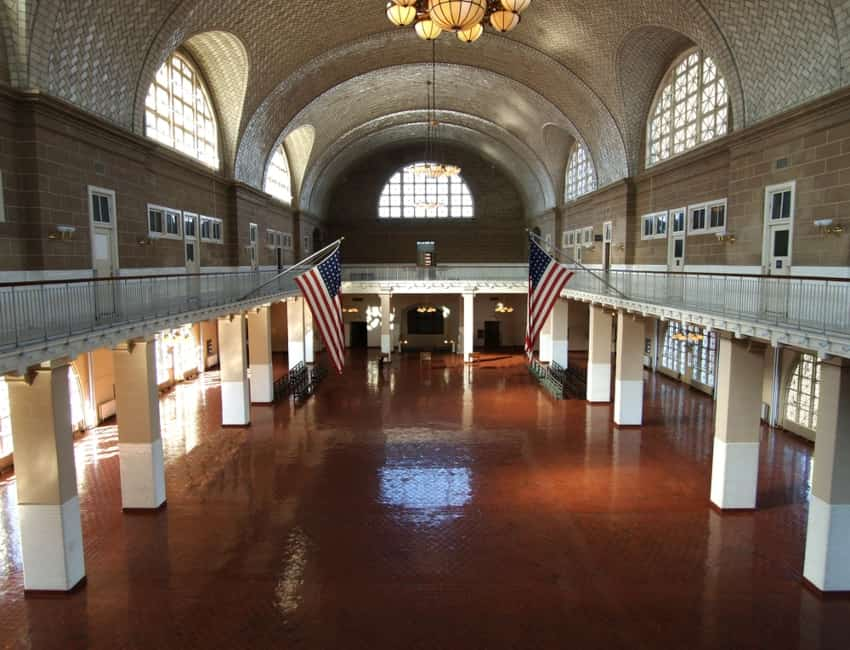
(278, 179)
(581, 177)
(801, 405)
(419, 196)
(691, 108)
(178, 112)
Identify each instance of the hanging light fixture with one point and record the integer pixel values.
(467, 18)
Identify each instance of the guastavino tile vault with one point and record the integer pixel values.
(663, 463)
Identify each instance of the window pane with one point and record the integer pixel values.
(780, 243)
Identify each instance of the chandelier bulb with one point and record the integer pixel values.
(428, 30)
(517, 6)
(504, 21)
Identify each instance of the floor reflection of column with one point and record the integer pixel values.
(625, 460)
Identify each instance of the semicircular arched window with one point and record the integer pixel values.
(179, 113)
(278, 179)
(408, 195)
(581, 176)
(801, 400)
(691, 108)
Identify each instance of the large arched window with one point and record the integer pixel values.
(691, 108)
(408, 195)
(801, 404)
(581, 177)
(178, 111)
(278, 180)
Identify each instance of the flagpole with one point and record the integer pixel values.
(537, 238)
(335, 245)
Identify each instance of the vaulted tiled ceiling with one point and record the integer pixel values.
(587, 68)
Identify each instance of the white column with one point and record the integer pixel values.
(599, 356)
(260, 355)
(735, 465)
(233, 359)
(560, 332)
(139, 435)
(545, 353)
(386, 338)
(295, 331)
(628, 381)
(46, 479)
(468, 325)
(309, 336)
(827, 562)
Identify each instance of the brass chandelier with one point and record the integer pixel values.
(466, 18)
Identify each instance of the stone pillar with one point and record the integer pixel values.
(545, 353)
(827, 563)
(233, 358)
(46, 479)
(735, 465)
(309, 335)
(628, 381)
(295, 331)
(599, 356)
(560, 332)
(139, 435)
(260, 355)
(386, 333)
(468, 326)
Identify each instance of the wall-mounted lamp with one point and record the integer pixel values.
(620, 247)
(728, 238)
(62, 233)
(149, 240)
(827, 227)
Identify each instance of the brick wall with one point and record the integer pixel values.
(495, 234)
(612, 203)
(50, 154)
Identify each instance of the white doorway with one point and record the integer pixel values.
(191, 242)
(104, 248)
(676, 242)
(607, 239)
(252, 246)
(778, 228)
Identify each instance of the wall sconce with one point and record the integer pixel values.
(728, 238)
(620, 247)
(149, 240)
(62, 233)
(827, 228)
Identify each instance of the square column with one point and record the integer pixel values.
(560, 332)
(599, 356)
(139, 434)
(260, 355)
(545, 352)
(295, 331)
(628, 381)
(468, 326)
(233, 357)
(735, 465)
(309, 338)
(46, 479)
(827, 563)
(386, 333)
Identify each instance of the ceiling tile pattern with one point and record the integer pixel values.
(582, 56)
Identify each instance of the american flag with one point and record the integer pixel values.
(546, 280)
(321, 288)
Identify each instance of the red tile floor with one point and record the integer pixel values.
(433, 507)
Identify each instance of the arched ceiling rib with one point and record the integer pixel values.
(515, 157)
(484, 145)
(513, 107)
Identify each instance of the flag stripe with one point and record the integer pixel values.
(320, 315)
(546, 280)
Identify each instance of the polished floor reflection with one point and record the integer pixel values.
(431, 506)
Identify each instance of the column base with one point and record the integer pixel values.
(235, 409)
(628, 402)
(734, 474)
(262, 383)
(599, 382)
(545, 348)
(142, 475)
(827, 562)
(52, 546)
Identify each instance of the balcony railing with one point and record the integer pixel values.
(819, 305)
(34, 312)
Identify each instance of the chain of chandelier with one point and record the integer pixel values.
(466, 18)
